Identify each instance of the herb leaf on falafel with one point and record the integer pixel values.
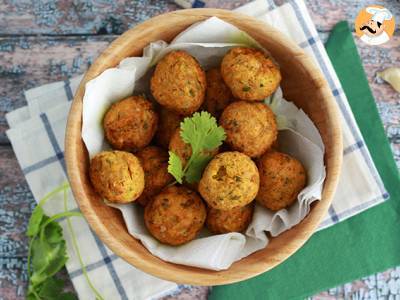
(202, 133)
(175, 167)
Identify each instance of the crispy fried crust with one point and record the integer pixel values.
(130, 124)
(179, 83)
(154, 161)
(218, 94)
(233, 220)
(250, 127)
(168, 122)
(230, 180)
(282, 177)
(117, 176)
(250, 74)
(175, 216)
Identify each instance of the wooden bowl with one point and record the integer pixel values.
(302, 83)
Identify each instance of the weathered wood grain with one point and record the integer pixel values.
(27, 62)
(76, 17)
(16, 204)
(114, 17)
(14, 193)
(14, 279)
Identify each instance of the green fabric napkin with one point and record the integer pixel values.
(362, 245)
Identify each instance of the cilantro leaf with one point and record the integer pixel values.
(51, 288)
(214, 138)
(49, 253)
(203, 134)
(68, 296)
(195, 169)
(175, 167)
(35, 221)
(54, 233)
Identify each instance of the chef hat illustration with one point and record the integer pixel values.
(379, 14)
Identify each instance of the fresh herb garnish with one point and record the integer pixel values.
(202, 133)
(47, 252)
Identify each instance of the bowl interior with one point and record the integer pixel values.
(302, 83)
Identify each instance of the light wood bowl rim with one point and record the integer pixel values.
(243, 269)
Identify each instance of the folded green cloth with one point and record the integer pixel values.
(364, 244)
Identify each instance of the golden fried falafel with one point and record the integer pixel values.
(282, 177)
(117, 176)
(168, 122)
(230, 180)
(183, 150)
(250, 127)
(218, 94)
(234, 220)
(130, 124)
(154, 161)
(179, 83)
(250, 74)
(175, 216)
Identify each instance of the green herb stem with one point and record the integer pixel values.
(47, 197)
(78, 253)
(188, 164)
(192, 157)
(61, 215)
(29, 255)
(36, 295)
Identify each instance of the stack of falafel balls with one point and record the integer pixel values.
(247, 167)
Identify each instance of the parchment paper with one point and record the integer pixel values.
(207, 41)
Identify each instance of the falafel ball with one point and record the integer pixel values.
(130, 124)
(117, 176)
(179, 83)
(218, 94)
(154, 161)
(250, 74)
(183, 150)
(175, 216)
(250, 127)
(168, 122)
(282, 177)
(234, 220)
(230, 180)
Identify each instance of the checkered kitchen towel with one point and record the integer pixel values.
(37, 135)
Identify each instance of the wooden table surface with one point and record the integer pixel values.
(45, 41)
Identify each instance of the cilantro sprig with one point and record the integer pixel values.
(203, 134)
(47, 252)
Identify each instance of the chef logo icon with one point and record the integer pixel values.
(375, 25)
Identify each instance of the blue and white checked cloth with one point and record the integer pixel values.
(37, 136)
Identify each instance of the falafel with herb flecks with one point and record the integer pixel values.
(175, 216)
(130, 124)
(179, 83)
(117, 176)
(250, 74)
